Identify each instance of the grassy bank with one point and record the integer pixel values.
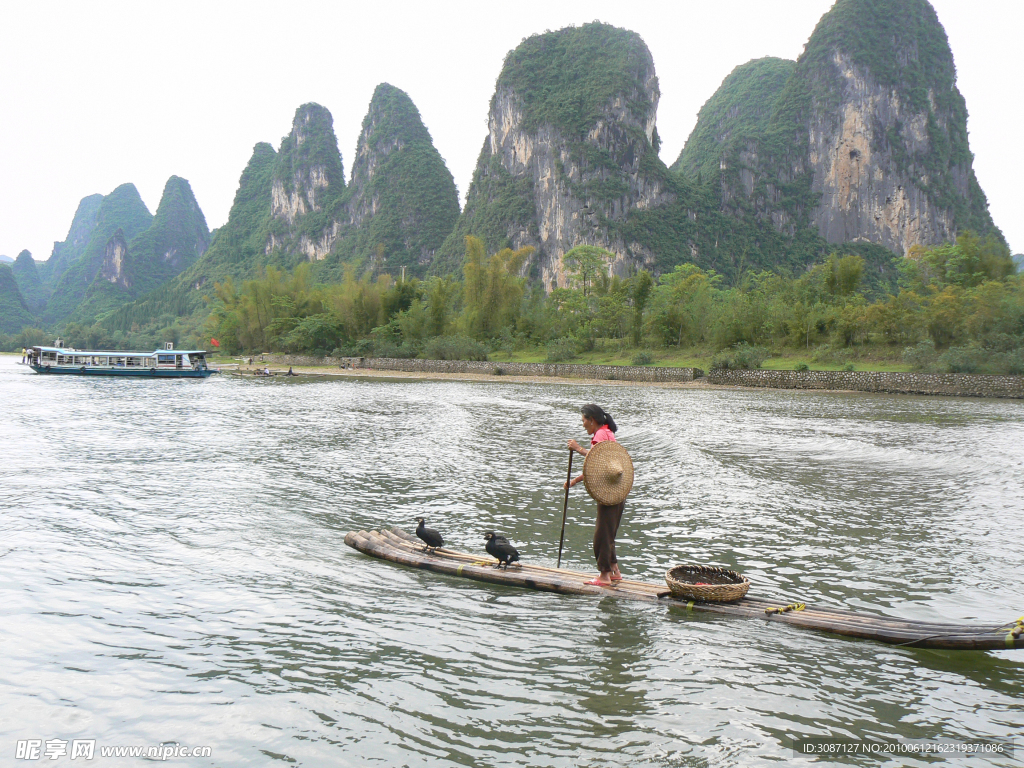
(869, 359)
(866, 359)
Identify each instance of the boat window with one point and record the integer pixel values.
(165, 359)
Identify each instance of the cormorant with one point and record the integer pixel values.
(429, 535)
(499, 547)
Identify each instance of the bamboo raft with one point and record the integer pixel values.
(397, 546)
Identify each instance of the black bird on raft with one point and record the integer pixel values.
(431, 537)
(499, 547)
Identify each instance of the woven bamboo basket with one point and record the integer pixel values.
(720, 585)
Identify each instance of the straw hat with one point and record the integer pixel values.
(608, 473)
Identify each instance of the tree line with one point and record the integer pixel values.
(957, 306)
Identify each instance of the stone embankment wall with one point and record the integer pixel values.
(959, 384)
(563, 370)
(956, 384)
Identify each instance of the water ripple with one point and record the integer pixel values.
(173, 569)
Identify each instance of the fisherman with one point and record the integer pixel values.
(608, 484)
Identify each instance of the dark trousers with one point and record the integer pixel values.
(608, 519)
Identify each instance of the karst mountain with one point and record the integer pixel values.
(860, 145)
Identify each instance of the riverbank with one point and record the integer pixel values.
(887, 382)
(337, 372)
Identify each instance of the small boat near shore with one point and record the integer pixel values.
(159, 364)
(397, 546)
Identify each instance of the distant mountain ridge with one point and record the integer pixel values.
(292, 206)
(859, 146)
(123, 210)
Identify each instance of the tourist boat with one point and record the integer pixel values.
(166, 363)
(397, 546)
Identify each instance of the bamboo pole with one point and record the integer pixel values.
(565, 509)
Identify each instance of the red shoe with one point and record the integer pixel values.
(596, 583)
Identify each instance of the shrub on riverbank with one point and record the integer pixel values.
(456, 347)
(740, 356)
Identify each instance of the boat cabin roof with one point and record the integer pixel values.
(111, 352)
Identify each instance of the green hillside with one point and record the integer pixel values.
(739, 111)
(567, 78)
(29, 283)
(14, 315)
(173, 243)
(402, 199)
(66, 253)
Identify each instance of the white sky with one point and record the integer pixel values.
(95, 94)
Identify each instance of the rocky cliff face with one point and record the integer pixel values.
(114, 261)
(554, 176)
(866, 141)
(308, 179)
(868, 161)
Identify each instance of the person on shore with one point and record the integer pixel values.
(601, 427)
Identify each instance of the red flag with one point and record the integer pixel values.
(214, 342)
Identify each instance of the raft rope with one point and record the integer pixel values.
(458, 571)
(786, 609)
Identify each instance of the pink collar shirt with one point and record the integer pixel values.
(602, 434)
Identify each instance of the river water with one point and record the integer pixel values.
(172, 570)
